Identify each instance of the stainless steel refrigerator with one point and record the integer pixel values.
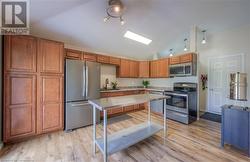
(82, 82)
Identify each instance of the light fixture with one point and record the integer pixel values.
(185, 46)
(171, 52)
(204, 38)
(115, 10)
(137, 37)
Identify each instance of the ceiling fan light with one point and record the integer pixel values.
(185, 49)
(203, 41)
(117, 8)
(106, 18)
(171, 53)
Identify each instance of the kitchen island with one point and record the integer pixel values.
(129, 136)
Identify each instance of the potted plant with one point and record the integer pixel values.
(114, 85)
(204, 81)
(145, 83)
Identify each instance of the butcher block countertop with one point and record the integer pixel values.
(114, 102)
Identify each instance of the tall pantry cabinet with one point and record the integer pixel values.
(33, 87)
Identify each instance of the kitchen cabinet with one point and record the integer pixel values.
(89, 57)
(144, 69)
(50, 114)
(73, 54)
(103, 59)
(33, 88)
(133, 69)
(123, 70)
(20, 53)
(124, 109)
(185, 58)
(51, 56)
(175, 60)
(128, 69)
(19, 106)
(159, 68)
(115, 61)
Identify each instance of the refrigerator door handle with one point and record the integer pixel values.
(83, 82)
(87, 81)
(79, 104)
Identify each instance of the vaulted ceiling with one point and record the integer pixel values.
(166, 22)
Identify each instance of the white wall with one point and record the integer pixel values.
(229, 42)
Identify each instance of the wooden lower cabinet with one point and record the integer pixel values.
(124, 109)
(19, 106)
(50, 114)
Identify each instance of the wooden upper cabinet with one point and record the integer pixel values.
(144, 69)
(115, 61)
(103, 59)
(186, 58)
(89, 57)
(19, 106)
(20, 53)
(73, 54)
(133, 69)
(154, 69)
(50, 115)
(175, 60)
(163, 68)
(159, 68)
(124, 70)
(51, 56)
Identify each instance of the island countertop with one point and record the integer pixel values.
(114, 102)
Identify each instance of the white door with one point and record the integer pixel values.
(219, 80)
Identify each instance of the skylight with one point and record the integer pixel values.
(137, 38)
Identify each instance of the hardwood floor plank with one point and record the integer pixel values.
(199, 141)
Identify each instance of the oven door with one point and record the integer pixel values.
(177, 102)
(177, 70)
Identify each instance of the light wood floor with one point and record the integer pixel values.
(199, 141)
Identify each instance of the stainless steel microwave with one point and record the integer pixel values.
(186, 69)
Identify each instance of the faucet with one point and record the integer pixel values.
(106, 83)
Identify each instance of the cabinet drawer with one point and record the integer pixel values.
(103, 59)
(186, 58)
(117, 110)
(128, 108)
(89, 57)
(174, 60)
(114, 61)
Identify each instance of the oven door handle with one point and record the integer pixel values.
(176, 94)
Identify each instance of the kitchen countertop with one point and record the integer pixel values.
(116, 102)
(120, 89)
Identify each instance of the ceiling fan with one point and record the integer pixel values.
(115, 9)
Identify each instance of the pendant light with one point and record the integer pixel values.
(204, 38)
(171, 52)
(115, 10)
(185, 44)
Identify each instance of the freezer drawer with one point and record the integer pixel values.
(79, 114)
(177, 116)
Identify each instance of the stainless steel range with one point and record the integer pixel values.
(182, 104)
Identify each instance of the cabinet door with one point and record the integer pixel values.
(103, 59)
(133, 69)
(89, 57)
(73, 54)
(154, 69)
(175, 60)
(163, 71)
(186, 58)
(19, 106)
(124, 70)
(115, 61)
(50, 115)
(51, 56)
(20, 53)
(144, 69)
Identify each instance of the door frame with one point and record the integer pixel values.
(243, 68)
